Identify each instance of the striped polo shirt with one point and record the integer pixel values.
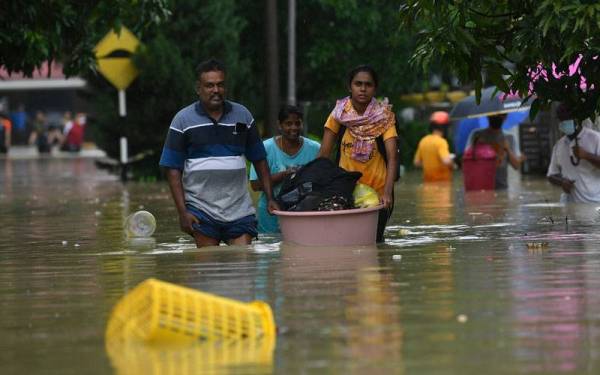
(212, 155)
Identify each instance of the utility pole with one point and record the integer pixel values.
(291, 84)
(272, 71)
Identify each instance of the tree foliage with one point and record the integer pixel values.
(332, 37)
(166, 62)
(32, 32)
(336, 35)
(525, 46)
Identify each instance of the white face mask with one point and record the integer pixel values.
(567, 127)
(81, 120)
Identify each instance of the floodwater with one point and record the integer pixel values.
(494, 283)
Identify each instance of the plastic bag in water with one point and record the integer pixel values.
(140, 224)
(365, 196)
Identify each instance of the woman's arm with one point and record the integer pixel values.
(329, 138)
(391, 170)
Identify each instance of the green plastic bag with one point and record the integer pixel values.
(365, 196)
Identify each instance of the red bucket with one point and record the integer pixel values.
(479, 167)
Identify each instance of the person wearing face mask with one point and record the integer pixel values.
(285, 154)
(503, 144)
(575, 162)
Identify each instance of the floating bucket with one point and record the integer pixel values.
(160, 312)
(330, 228)
(479, 167)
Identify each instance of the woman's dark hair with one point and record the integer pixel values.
(363, 68)
(286, 110)
(210, 65)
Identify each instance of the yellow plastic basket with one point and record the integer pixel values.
(157, 311)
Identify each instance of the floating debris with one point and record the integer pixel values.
(403, 232)
(462, 318)
(537, 245)
(397, 257)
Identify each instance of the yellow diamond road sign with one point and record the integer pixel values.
(114, 57)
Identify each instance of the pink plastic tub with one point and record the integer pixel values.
(330, 228)
(479, 168)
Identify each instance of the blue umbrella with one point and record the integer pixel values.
(492, 103)
(464, 127)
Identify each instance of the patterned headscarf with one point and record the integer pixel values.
(376, 119)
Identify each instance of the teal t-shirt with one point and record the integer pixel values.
(280, 161)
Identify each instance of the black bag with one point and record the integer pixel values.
(318, 181)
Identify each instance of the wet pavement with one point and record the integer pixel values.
(483, 282)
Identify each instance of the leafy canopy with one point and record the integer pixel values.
(35, 31)
(525, 46)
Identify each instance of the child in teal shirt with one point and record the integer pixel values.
(285, 153)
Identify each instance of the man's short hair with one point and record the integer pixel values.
(287, 110)
(563, 112)
(496, 120)
(210, 65)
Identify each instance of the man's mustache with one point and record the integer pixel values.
(217, 96)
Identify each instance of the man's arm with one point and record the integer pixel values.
(514, 160)
(186, 219)
(262, 169)
(564, 183)
(581, 153)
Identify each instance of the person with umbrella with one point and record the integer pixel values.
(495, 105)
(575, 162)
(504, 146)
(433, 153)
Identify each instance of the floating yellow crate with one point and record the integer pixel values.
(159, 312)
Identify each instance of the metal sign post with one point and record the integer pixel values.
(114, 62)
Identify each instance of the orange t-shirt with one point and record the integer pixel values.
(431, 151)
(374, 170)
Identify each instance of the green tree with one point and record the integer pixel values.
(32, 32)
(336, 35)
(508, 42)
(333, 36)
(166, 62)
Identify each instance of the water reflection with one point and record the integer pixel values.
(435, 203)
(236, 357)
(550, 299)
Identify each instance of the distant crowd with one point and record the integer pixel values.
(62, 132)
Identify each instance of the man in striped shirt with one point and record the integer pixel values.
(205, 156)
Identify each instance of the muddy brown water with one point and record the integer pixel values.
(494, 283)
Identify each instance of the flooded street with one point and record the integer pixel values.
(484, 282)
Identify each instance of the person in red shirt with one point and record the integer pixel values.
(73, 133)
